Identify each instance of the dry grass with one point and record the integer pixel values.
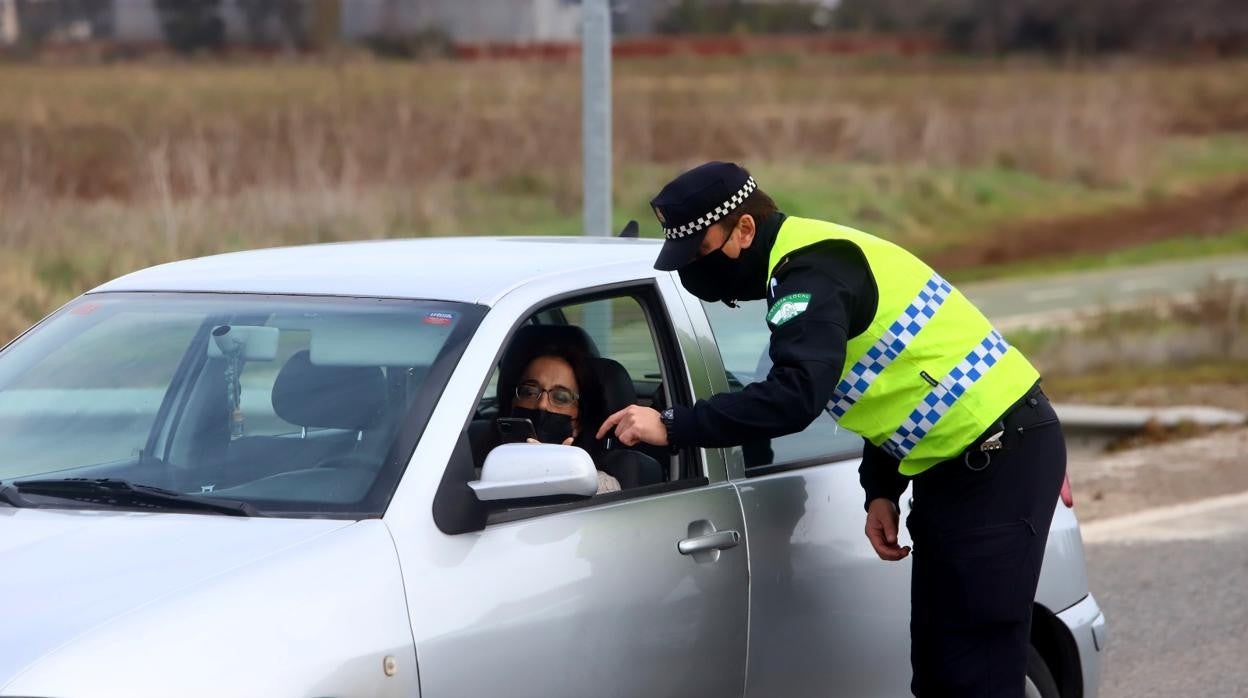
(209, 130)
(109, 168)
(1203, 338)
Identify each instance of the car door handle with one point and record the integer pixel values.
(719, 540)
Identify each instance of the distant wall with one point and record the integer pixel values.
(463, 20)
(466, 20)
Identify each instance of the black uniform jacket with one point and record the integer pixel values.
(807, 354)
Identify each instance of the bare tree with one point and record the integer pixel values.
(257, 13)
(290, 16)
(190, 25)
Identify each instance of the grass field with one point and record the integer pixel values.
(104, 169)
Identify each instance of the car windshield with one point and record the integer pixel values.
(297, 406)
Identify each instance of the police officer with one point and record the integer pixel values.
(865, 330)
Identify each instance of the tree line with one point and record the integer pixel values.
(992, 26)
(189, 25)
(968, 26)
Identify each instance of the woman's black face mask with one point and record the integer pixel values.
(717, 277)
(551, 427)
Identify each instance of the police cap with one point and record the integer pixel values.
(692, 203)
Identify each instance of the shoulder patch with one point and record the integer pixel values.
(787, 308)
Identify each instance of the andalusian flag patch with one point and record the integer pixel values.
(787, 308)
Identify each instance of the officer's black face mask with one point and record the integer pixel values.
(717, 277)
(551, 427)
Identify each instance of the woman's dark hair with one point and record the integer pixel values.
(758, 204)
(577, 354)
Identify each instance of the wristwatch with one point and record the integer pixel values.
(668, 416)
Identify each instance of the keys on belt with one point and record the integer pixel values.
(986, 447)
(993, 443)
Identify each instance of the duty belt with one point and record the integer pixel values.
(981, 449)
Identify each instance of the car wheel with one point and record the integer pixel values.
(1040, 683)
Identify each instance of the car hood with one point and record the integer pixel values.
(67, 573)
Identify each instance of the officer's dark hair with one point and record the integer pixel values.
(758, 204)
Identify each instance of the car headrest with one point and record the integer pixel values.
(338, 397)
(617, 387)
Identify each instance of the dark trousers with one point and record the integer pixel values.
(979, 528)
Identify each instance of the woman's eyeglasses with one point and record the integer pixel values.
(532, 393)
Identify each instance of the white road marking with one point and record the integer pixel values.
(1203, 519)
(1040, 295)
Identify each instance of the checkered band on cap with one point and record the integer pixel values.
(903, 331)
(943, 396)
(714, 215)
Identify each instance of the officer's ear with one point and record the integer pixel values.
(746, 230)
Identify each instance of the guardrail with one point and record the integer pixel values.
(1091, 427)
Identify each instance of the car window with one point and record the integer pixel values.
(618, 336)
(93, 399)
(619, 328)
(634, 347)
(743, 339)
(292, 404)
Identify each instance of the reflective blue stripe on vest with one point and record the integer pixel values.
(941, 398)
(882, 353)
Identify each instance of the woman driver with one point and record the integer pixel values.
(554, 386)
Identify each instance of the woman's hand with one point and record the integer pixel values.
(566, 442)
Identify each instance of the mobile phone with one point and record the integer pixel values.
(515, 430)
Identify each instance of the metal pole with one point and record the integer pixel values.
(596, 114)
(9, 32)
(596, 141)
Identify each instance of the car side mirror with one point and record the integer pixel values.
(522, 471)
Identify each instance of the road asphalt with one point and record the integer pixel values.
(1172, 584)
(1041, 300)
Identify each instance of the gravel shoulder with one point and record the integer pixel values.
(1110, 484)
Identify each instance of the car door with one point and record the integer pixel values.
(592, 602)
(595, 597)
(827, 616)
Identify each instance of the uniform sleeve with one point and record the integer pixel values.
(878, 475)
(807, 351)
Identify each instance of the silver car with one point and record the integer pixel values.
(271, 473)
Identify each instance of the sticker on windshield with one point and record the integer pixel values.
(439, 318)
(788, 308)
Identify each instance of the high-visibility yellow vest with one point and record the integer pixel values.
(930, 374)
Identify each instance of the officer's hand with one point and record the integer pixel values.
(882, 530)
(635, 424)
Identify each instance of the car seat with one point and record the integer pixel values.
(618, 393)
(307, 395)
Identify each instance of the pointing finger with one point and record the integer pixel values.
(611, 422)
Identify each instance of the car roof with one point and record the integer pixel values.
(468, 269)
